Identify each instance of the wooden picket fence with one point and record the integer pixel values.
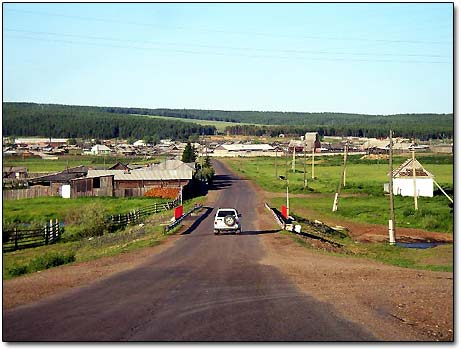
(20, 238)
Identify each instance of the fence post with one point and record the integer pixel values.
(16, 238)
(46, 234)
(57, 229)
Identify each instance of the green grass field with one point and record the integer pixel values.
(133, 237)
(36, 165)
(363, 177)
(220, 125)
(45, 208)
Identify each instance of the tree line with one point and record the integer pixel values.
(51, 120)
(121, 122)
(422, 125)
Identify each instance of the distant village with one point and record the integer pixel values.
(125, 180)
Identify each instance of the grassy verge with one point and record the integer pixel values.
(439, 258)
(433, 214)
(133, 237)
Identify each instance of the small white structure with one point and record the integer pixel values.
(65, 191)
(139, 143)
(100, 149)
(403, 180)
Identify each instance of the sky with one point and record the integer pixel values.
(371, 58)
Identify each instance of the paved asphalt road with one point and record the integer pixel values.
(204, 288)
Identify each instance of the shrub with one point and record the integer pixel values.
(50, 260)
(88, 222)
(17, 270)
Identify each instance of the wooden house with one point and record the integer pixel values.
(403, 180)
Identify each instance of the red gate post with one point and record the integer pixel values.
(284, 212)
(178, 212)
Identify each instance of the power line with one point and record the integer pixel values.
(233, 32)
(223, 54)
(224, 47)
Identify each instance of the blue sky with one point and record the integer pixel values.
(361, 58)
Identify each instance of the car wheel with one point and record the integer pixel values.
(229, 221)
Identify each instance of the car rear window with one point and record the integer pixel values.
(226, 213)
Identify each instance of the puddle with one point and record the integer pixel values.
(420, 245)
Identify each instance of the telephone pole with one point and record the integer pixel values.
(345, 159)
(305, 178)
(391, 195)
(415, 194)
(313, 149)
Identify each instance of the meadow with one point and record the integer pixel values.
(45, 208)
(362, 199)
(220, 125)
(69, 250)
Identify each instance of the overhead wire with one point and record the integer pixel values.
(298, 36)
(246, 49)
(291, 57)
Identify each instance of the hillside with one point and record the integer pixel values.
(107, 122)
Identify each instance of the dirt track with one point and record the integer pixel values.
(366, 299)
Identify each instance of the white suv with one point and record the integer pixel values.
(227, 219)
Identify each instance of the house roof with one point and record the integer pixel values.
(142, 174)
(246, 147)
(9, 169)
(100, 147)
(62, 177)
(173, 164)
(405, 170)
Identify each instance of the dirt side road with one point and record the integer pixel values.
(389, 303)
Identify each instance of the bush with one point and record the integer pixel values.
(88, 222)
(50, 260)
(17, 270)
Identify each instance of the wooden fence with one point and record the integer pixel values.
(29, 193)
(19, 238)
(118, 221)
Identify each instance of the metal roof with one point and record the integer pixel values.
(142, 174)
(244, 147)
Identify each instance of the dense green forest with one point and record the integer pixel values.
(22, 119)
(51, 120)
(421, 126)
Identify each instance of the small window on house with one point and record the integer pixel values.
(97, 182)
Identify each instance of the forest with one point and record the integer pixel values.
(51, 120)
(21, 119)
(422, 126)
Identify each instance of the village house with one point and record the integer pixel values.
(40, 142)
(403, 180)
(242, 149)
(100, 149)
(11, 172)
(126, 181)
(307, 142)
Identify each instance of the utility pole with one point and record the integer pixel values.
(286, 164)
(305, 178)
(415, 194)
(344, 168)
(391, 196)
(313, 149)
(293, 164)
(275, 164)
(341, 182)
(288, 199)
